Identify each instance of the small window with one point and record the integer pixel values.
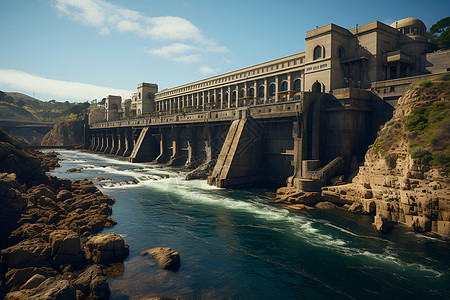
(251, 92)
(242, 93)
(284, 86)
(317, 52)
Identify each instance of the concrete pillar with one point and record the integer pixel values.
(229, 97)
(240, 159)
(265, 90)
(215, 97)
(276, 88)
(128, 142)
(255, 91)
(179, 103)
(120, 142)
(104, 142)
(289, 85)
(114, 142)
(203, 100)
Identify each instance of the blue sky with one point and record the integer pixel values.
(81, 50)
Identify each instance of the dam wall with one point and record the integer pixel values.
(300, 143)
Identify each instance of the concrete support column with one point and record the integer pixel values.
(179, 103)
(289, 85)
(128, 143)
(276, 88)
(255, 91)
(204, 100)
(221, 97)
(215, 96)
(265, 90)
(229, 97)
(245, 93)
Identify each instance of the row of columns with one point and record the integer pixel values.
(124, 141)
(226, 95)
(118, 142)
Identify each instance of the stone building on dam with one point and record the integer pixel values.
(298, 120)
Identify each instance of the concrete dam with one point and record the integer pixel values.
(301, 143)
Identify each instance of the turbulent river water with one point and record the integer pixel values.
(236, 244)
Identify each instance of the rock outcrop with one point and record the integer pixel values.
(65, 134)
(106, 248)
(404, 178)
(42, 219)
(167, 258)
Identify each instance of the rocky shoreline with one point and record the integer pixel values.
(45, 227)
(395, 184)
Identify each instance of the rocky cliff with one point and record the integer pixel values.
(65, 134)
(405, 176)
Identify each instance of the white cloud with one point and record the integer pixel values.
(171, 50)
(59, 89)
(205, 70)
(188, 58)
(109, 17)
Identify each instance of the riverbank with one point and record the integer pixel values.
(45, 225)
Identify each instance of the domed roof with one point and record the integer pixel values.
(408, 22)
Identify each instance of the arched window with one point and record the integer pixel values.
(219, 97)
(226, 96)
(297, 85)
(284, 86)
(316, 87)
(212, 98)
(234, 95)
(251, 92)
(317, 52)
(272, 89)
(150, 96)
(261, 92)
(114, 106)
(242, 93)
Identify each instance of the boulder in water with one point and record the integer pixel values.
(167, 258)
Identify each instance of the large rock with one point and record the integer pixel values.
(92, 283)
(54, 288)
(382, 223)
(66, 248)
(28, 253)
(33, 282)
(326, 205)
(17, 277)
(106, 248)
(166, 258)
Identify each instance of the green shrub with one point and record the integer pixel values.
(423, 83)
(419, 153)
(445, 77)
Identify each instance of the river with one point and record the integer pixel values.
(237, 244)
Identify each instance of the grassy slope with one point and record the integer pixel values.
(8, 111)
(427, 126)
(33, 109)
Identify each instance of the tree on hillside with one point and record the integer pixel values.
(440, 32)
(2, 96)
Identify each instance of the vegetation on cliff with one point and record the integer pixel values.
(426, 123)
(23, 107)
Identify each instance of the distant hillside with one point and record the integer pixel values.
(23, 107)
(9, 111)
